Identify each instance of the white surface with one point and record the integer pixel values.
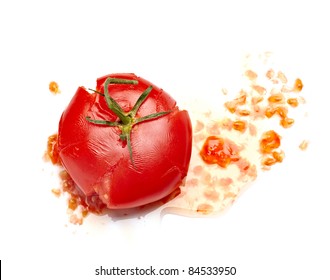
(278, 229)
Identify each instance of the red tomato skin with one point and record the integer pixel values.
(99, 162)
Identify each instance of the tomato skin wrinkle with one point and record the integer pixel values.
(125, 164)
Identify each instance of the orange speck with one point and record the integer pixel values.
(231, 106)
(287, 122)
(256, 99)
(75, 220)
(225, 182)
(239, 125)
(293, 102)
(243, 112)
(278, 156)
(227, 124)
(56, 192)
(72, 204)
(84, 213)
(303, 145)
(64, 175)
(270, 140)
(269, 112)
(54, 88)
(276, 98)
(241, 99)
(258, 111)
(282, 77)
(298, 85)
(259, 89)
(252, 172)
(281, 111)
(269, 161)
(230, 195)
(244, 166)
(270, 74)
(251, 74)
(204, 208)
(211, 194)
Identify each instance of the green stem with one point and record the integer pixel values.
(151, 117)
(127, 120)
(129, 145)
(139, 102)
(103, 122)
(121, 81)
(113, 105)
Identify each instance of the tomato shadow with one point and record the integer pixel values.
(131, 213)
(141, 211)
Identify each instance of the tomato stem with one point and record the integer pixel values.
(102, 122)
(138, 103)
(127, 120)
(113, 105)
(121, 81)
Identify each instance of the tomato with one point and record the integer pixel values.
(126, 142)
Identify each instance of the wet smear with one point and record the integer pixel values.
(240, 135)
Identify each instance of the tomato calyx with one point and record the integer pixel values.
(126, 119)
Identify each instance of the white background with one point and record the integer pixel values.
(279, 228)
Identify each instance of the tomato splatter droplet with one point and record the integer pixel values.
(287, 122)
(293, 102)
(54, 88)
(270, 140)
(239, 125)
(298, 85)
(72, 204)
(269, 161)
(220, 151)
(279, 156)
(52, 149)
(276, 98)
(303, 145)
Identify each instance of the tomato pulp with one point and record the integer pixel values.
(129, 160)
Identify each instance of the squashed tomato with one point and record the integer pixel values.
(126, 142)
